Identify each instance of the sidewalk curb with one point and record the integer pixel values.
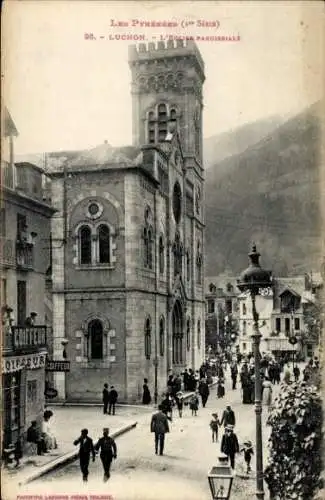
(118, 405)
(69, 457)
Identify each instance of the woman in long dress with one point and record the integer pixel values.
(267, 392)
(146, 396)
(47, 431)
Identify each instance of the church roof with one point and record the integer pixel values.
(105, 155)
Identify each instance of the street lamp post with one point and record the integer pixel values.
(254, 280)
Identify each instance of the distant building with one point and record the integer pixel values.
(128, 238)
(222, 311)
(25, 258)
(284, 311)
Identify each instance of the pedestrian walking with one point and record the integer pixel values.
(179, 398)
(214, 426)
(220, 388)
(167, 406)
(234, 373)
(229, 444)
(194, 404)
(146, 396)
(204, 392)
(86, 448)
(112, 400)
(159, 425)
(248, 452)
(228, 417)
(108, 452)
(296, 373)
(105, 398)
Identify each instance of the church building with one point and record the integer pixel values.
(128, 239)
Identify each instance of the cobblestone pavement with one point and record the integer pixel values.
(180, 474)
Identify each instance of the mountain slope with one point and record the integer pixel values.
(219, 147)
(270, 194)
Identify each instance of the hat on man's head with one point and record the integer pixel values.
(248, 443)
(229, 427)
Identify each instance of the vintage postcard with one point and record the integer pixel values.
(162, 260)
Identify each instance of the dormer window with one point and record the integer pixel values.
(290, 301)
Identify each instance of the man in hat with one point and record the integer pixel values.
(229, 444)
(112, 400)
(159, 425)
(228, 417)
(86, 448)
(108, 451)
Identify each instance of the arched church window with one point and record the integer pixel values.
(162, 122)
(188, 334)
(85, 245)
(198, 264)
(177, 333)
(161, 255)
(147, 338)
(95, 334)
(178, 254)
(162, 336)
(150, 249)
(199, 334)
(148, 240)
(104, 244)
(188, 265)
(177, 202)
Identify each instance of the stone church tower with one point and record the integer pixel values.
(128, 238)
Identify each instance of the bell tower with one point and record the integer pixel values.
(167, 81)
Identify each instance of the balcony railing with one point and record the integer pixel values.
(7, 252)
(24, 255)
(25, 338)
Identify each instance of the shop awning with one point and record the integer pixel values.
(280, 344)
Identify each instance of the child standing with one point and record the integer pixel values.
(248, 452)
(220, 388)
(194, 404)
(214, 426)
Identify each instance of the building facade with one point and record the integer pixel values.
(284, 311)
(128, 238)
(222, 311)
(25, 258)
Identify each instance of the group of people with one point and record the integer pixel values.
(109, 399)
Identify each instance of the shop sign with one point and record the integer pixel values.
(57, 366)
(17, 363)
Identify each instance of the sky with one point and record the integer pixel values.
(65, 92)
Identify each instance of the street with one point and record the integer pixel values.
(189, 454)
